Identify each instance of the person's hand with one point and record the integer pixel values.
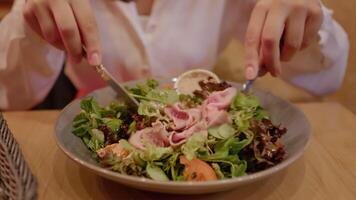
(66, 24)
(276, 31)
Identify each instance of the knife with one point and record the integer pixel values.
(120, 90)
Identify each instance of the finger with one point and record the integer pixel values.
(252, 41)
(312, 26)
(31, 19)
(262, 68)
(262, 71)
(47, 24)
(294, 32)
(271, 36)
(68, 29)
(89, 31)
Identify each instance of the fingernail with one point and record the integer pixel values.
(250, 72)
(94, 59)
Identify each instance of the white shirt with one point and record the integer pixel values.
(177, 36)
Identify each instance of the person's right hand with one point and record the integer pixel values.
(66, 24)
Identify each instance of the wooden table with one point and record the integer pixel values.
(326, 171)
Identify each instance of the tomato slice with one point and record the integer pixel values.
(197, 170)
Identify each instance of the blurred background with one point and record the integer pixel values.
(230, 65)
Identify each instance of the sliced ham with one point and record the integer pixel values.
(195, 115)
(180, 138)
(156, 135)
(222, 99)
(182, 119)
(215, 117)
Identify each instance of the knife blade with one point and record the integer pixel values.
(120, 90)
(117, 87)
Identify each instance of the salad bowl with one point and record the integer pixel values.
(281, 112)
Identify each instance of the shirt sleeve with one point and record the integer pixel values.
(28, 66)
(320, 69)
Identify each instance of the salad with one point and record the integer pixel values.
(213, 133)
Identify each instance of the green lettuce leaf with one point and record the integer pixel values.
(244, 108)
(171, 165)
(113, 124)
(147, 108)
(98, 135)
(163, 96)
(239, 169)
(243, 101)
(142, 89)
(241, 119)
(80, 125)
(89, 105)
(156, 173)
(160, 95)
(194, 145)
(222, 132)
(132, 127)
(154, 153)
(217, 170)
(261, 113)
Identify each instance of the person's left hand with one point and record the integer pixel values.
(276, 31)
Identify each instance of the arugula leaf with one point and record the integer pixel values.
(81, 130)
(156, 173)
(172, 165)
(80, 125)
(89, 105)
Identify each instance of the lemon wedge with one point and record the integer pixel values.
(188, 82)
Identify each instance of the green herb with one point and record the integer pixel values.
(154, 153)
(156, 173)
(112, 123)
(244, 108)
(194, 146)
(222, 132)
(142, 89)
(149, 109)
